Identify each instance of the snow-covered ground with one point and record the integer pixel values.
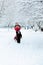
(28, 52)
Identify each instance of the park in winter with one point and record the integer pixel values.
(21, 18)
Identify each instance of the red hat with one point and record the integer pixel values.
(17, 28)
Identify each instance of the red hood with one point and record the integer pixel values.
(17, 28)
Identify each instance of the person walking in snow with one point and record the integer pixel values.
(18, 36)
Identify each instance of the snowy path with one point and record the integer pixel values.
(29, 52)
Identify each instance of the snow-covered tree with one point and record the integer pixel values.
(2, 8)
